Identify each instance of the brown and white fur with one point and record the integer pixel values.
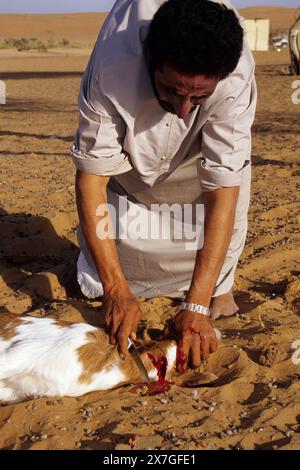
(46, 357)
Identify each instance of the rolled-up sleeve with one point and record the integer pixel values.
(97, 147)
(226, 137)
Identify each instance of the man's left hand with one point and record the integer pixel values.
(197, 339)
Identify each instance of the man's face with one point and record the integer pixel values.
(179, 93)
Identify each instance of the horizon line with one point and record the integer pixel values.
(107, 11)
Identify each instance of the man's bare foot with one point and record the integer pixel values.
(223, 306)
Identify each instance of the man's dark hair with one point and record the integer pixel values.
(195, 37)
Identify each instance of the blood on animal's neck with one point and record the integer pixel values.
(161, 365)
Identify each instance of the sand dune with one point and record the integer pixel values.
(81, 31)
(84, 27)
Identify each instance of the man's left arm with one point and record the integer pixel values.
(226, 150)
(219, 219)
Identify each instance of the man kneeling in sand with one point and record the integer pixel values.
(166, 106)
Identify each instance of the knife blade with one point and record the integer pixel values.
(137, 359)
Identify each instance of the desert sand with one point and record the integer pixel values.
(77, 27)
(255, 401)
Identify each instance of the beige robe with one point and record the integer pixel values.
(152, 156)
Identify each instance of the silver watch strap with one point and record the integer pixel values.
(195, 308)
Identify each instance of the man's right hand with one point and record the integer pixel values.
(122, 312)
(122, 316)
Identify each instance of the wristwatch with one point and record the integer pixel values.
(196, 308)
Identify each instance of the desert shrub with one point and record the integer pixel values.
(27, 44)
(22, 44)
(65, 42)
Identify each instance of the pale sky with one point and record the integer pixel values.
(64, 6)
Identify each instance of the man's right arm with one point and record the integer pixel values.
(122, 313)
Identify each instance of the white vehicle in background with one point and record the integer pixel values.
(281, 43)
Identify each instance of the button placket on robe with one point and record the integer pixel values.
(172, 142)
(166, 138)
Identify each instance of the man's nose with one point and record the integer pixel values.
(182, 106)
